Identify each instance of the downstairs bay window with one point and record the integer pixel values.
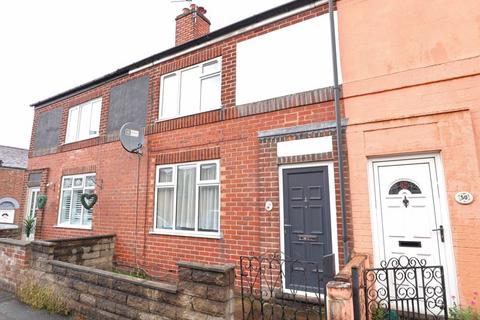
(72, 214)
(187, 199)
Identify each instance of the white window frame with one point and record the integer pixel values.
(79, 117)
(69, 224)
(198, 184)
(178, 74)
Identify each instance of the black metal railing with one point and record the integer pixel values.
(267, 295)
(402, 288)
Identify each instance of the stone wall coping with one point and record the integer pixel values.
(206, 267)
(14, 242)
(102, 236)
(4, 226)
(339, 290)
(44, 243)
(136, 281)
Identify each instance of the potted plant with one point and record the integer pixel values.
(29, 225)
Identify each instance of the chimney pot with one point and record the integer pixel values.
(191, 24)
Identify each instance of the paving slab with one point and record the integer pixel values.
(12, 309)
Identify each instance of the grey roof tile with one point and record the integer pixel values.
(13, 157)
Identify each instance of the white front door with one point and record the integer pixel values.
(409, 217)
(31, 207)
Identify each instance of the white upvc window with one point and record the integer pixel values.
(71, 211)
(187, 199)
(191, 90)
(84, 121)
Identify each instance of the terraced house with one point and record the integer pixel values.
(239, 127)
(411, 96)
(13, 163)
(241, 153)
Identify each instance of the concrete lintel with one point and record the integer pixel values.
(316, 126)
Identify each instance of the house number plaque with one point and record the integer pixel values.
(464, 197)
(268, 206)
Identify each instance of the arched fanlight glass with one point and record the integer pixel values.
(404, 185)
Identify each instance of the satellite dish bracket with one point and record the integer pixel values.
(137, 150)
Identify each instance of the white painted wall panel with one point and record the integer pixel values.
(290, 60)
(304, 146)
(7, 216)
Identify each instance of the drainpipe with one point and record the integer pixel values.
(338, 118)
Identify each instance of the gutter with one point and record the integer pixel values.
(12, 168)
(224, 32)
(338, 126)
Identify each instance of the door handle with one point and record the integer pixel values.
(442, 232)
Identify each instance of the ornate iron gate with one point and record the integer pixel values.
(265, 296)
(404, 288)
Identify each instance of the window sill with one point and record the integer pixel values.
(208, 235)
(66, 226)
(187, 115)
(86, 139)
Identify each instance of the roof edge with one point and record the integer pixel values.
(18, 148)
(13, 168)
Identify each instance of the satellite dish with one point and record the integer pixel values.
(132, 137)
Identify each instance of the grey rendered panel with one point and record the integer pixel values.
(48, 129)
(128, 103)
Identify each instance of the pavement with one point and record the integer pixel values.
(12, 309)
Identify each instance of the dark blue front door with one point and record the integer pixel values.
(307, 227)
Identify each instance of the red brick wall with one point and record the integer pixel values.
(11, 185)
(229, 134)
(238, 148)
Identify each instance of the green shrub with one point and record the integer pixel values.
(459, 312)
(43, 298)
(379, 313)
(464, 313)
(136, 273)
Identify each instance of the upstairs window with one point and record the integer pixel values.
(84, 121)
(72, 213)
(192, 90)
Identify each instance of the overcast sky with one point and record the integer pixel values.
(50, 46)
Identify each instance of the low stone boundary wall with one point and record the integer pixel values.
(14, 262)
(95, 251)
(202, 291)
(11, 232)
(340, 293)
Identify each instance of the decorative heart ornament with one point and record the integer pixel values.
(41, 201)
(88, 200)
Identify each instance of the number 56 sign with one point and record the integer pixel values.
(464, 197)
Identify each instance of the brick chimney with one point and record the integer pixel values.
(191, 24)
